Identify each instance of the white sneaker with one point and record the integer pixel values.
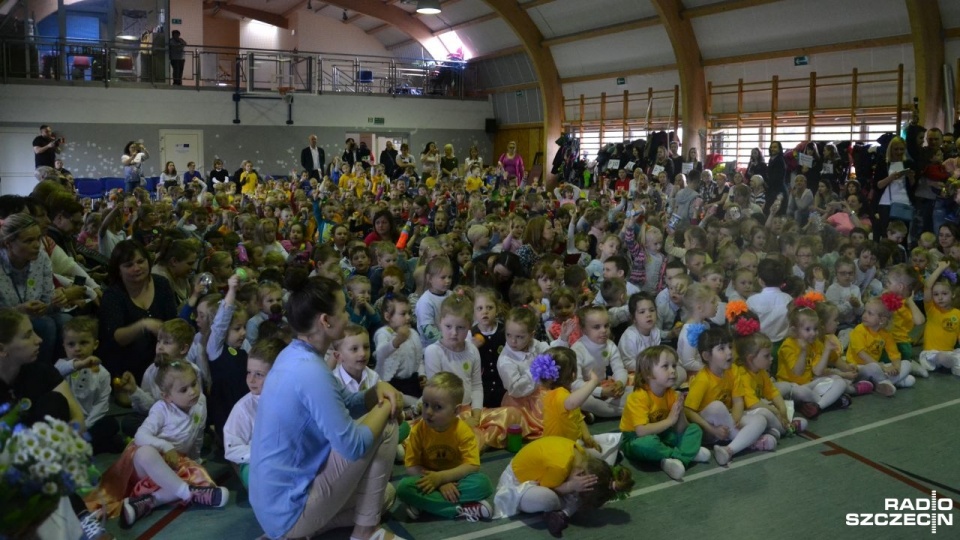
(673, 467)
(955, 370)
(475, 511)
(722, 455)
(918, 370)
(766, 443)
(413, 513)
(703, 455)
(401, 454)
(907, 381)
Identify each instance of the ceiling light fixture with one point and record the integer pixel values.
(428, 7)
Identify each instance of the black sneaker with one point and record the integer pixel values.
(589, 418)
(214, 497)
(134, 509)
(556, 522)
(844, 402)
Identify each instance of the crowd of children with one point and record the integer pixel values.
(705, 328)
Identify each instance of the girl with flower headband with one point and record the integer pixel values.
(874, 351)
(943, 325)
(455, 353)
(700, 303)
(802, 366)
(760, 395)
(715, 401)
(654, 425)
(556, 477)
(595, 354)
(900, 281)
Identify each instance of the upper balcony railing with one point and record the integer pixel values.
(244, 70)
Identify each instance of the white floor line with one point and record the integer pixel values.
(735, 464)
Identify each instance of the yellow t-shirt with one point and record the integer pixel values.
(473, 183)
(375, 182)
(441, 450)
(705, 388)
(347, 181)
(756, 386)
(547, 461)
(873, 343)
(788, 356)
(644, 407)
(430, 182)
(557, 420)
(901, 324)
(942, 328)
(248, 182)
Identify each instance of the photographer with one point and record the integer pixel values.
(45, 148)
(133, 155)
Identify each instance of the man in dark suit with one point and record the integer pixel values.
(313, 159)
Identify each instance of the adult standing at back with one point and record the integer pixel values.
(512, 162)
(776, 179)
(177, 48)
(45, 148)
(313, 467)
(132, 159)
(388, 158)
(313, 159)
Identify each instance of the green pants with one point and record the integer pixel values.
(473, 488)
(774, 351)
(245, 475)
(403, 430)
(666, 445)
(906, 350)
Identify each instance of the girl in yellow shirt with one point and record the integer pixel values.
(555, 370)
(943, 324)
(802, 364)
(874, 351)
(716, 394)
(653, 424)
(760, 396)
(556, 477)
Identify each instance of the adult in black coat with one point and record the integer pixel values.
(388, 158)
(777, 178)
(313, 165)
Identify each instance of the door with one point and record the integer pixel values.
(16, 160)
(181, 146)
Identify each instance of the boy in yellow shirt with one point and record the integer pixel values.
(943, 324)
(443, 459)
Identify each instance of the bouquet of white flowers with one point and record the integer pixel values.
(38, 465)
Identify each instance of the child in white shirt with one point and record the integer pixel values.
(771, 303)
(399, 351)
(238, 430)
(595, 352)
(89, 382)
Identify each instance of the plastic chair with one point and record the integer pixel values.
(152, 183)
(89, 188)
(365, 80)
(113, 183)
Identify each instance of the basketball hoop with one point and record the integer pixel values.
(284, 90)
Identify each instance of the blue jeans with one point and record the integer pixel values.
(940, 208)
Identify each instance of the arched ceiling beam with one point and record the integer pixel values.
(702, 11)
(926, 30)
(693, 84)
(392, 15)
(551, 93)
(535, 3)
(251, 13)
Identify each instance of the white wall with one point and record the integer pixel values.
(317, 33)
(62, 104)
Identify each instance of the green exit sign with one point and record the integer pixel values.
(176, 21)
(621, 81)
(519, 93)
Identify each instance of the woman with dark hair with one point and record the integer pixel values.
(384, 229)
(26, 281)
(321, 457)
(756, 165)
(538, 238)
(502, 267)
(776, 178)
(947, 236)
(133, 155)
(430, 160)
(134, 306)
(176, 260)
(811, 172)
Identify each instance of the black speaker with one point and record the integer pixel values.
(491, 125)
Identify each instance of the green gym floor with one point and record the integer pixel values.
(848, 462)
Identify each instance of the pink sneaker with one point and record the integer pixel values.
(863, 387)
(766, 443)
(799, 425)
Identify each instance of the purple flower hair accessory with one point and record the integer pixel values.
(950, 275)
(544, 368)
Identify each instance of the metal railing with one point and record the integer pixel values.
(250, 70)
